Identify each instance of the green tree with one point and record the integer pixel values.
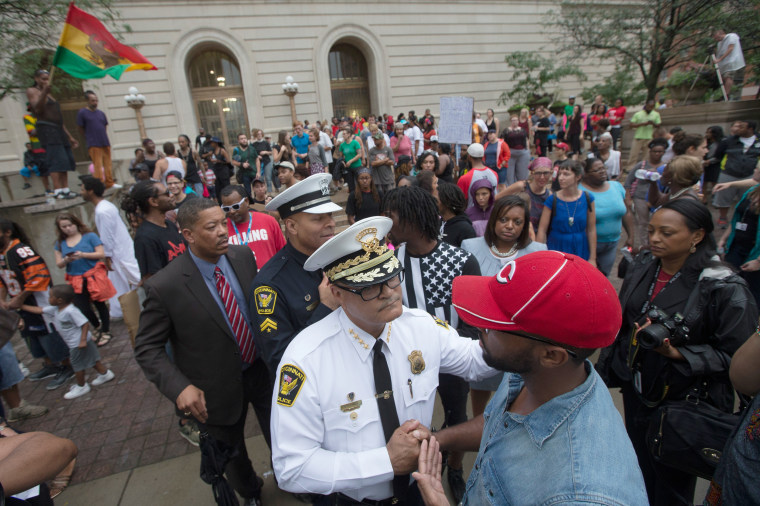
(535, 77)
(622, 83)
(652, 36)
(29, 32)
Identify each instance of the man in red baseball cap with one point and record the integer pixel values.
(551, 433)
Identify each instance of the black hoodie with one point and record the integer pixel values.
(457, 229)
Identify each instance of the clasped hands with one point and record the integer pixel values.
(404, 446)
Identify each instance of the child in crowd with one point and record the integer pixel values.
(482, 193)
(30, 166)
(210, 178)
(259, 199)
(74, 327)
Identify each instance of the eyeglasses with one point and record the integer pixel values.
(545, 341)
(372, 292)
(543, 173)
(165, 192)
(234, 207)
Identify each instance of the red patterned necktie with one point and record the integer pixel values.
(237, 321)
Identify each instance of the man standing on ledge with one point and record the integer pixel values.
(198, 304)
(541, 435)
(92, 124)
(285, 298)
(357, 388)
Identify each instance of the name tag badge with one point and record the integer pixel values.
(741, 226)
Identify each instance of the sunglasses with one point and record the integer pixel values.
(165, 192)
(233, 207)
(545, 341)
(543, 174)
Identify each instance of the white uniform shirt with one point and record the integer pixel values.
(317, 447)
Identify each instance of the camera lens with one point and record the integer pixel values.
(653, 336)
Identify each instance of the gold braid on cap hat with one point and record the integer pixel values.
(362, 262)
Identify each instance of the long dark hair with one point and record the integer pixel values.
(358, 194)
(696, 216)
(137, 201)
(500, 208)
(81, 227)
(451, 197)
(716, 132)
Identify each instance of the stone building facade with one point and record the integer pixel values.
(222, 63)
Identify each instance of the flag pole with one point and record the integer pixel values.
(52, 73)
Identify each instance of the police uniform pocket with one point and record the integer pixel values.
(420, 387)
(350, 428)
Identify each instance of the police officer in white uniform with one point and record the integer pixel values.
(353, 387)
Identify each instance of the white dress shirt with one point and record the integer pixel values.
(318, 447)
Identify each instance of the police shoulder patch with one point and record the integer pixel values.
(266, 298)
(291, 380)
(440, 322)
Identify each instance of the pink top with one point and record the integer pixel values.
(405, 148)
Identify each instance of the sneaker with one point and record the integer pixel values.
(190, 432)
(116, 186)
(47, 371)
(77, 391)
(49, 193)
(26, 186)
(24, 369)
(68, 196)
(456, 484)
(63, 377)
(723, 224)
(25, 411)
(103, 378)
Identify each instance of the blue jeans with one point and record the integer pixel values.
(267, 170)
(247, 181)
(198, 189)
(605, 256)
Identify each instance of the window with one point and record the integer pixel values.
(349, 81)
(217, 90)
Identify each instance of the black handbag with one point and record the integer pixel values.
(689, 435)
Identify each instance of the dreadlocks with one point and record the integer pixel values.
(451, 197)
(415, 207)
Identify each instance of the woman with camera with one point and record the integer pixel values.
(684, 315)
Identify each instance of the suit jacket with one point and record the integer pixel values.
(180, 309)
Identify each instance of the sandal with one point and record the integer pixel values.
(60, 482)
(105, 337)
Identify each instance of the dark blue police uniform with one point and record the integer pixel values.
(284, 300)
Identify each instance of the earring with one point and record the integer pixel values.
(693, 249)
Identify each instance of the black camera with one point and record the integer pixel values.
(663, 327)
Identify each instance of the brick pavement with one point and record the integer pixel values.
(118, 426)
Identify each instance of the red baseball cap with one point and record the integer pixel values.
(562, 145)
(550, 294)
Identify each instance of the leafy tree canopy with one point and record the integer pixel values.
(536, 77)
(29, 33)
(651, 36)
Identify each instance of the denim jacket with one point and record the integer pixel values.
(571, 450)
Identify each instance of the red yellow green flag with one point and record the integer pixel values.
(88, 51)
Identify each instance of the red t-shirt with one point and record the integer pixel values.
(662, 281)
(616, 115)
(261, 233)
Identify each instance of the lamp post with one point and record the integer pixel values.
(136, 101)
(290, 88)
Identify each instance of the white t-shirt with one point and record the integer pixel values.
(735, 60)
(415, 134)
(325, 142)
(747, 142)
(68, 322)
(371, 141)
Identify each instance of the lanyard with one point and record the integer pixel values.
(244, 241)
(648, 302)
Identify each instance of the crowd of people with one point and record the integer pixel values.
(481, 277)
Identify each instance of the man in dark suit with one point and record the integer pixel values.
(198, 303)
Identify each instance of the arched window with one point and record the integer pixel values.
(217, 90)
(349, 81)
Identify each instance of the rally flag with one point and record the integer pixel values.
(88, 51)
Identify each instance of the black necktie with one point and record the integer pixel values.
(387, 408)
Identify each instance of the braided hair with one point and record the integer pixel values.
(416, 207)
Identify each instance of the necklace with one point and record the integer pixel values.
(571, 219)
(498, 253)
(678, 193)
(361, 341)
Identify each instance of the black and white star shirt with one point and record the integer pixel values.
(428, 279)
